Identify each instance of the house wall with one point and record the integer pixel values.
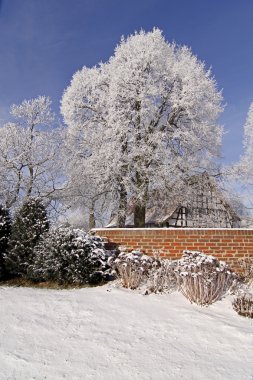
(226, 244)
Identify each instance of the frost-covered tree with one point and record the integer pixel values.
(29, 152)
(240, 175)
(245, 165)
(144, 120)
(85, 191)
(30, 222)
(5, 230)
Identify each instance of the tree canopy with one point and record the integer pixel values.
(143, 121)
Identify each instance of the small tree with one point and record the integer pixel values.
(29, 224)
(30, 153)
(5, 230)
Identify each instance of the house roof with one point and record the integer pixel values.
(154, 215)
(205, 177)
(159, 214)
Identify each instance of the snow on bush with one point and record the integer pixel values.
(67, 255)
(246, 265)
(132, 268)
(5, 230)
(162, 277)
(202, 278)
(243, 305)
(30, 222)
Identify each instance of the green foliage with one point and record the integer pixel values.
(29, 224)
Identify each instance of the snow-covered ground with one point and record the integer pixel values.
(110, 333)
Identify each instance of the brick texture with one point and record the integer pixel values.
(226, 244)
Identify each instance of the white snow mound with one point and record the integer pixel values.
(110, 333)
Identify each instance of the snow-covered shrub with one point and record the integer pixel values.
(67, 255)
(243, 305)
(5, 230)
(162, 277)
(132, 268)
(30, 222)
(246, 265)
(202, 278)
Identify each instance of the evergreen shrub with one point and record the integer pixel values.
(67, 255)
(5, 230)
(30, 223)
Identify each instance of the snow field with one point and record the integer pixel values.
(111, 333)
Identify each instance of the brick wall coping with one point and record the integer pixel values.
(171, 229)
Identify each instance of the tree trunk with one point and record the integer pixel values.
(140, 206)
(121, 217)
(31, 180)
(92, 220)
(139, 215)
(14, 198)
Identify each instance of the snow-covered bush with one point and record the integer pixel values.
(30, 222)
(243, 305)
(246, 265)
(5, 230)
(67, 255)
(162, 277)
(132, 268)
(202, 278)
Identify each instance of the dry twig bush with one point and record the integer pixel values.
(246, 265)
(202, 278)
(131, 268)
(162, 277)
(243, 305)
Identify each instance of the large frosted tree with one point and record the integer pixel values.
(144, 121)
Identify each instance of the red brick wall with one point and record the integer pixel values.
(226, 244)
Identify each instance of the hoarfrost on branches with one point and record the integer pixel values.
(246, 164)
(144, 120)
(241, 172)
(30, 153)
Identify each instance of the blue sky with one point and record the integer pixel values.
(43, 42)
